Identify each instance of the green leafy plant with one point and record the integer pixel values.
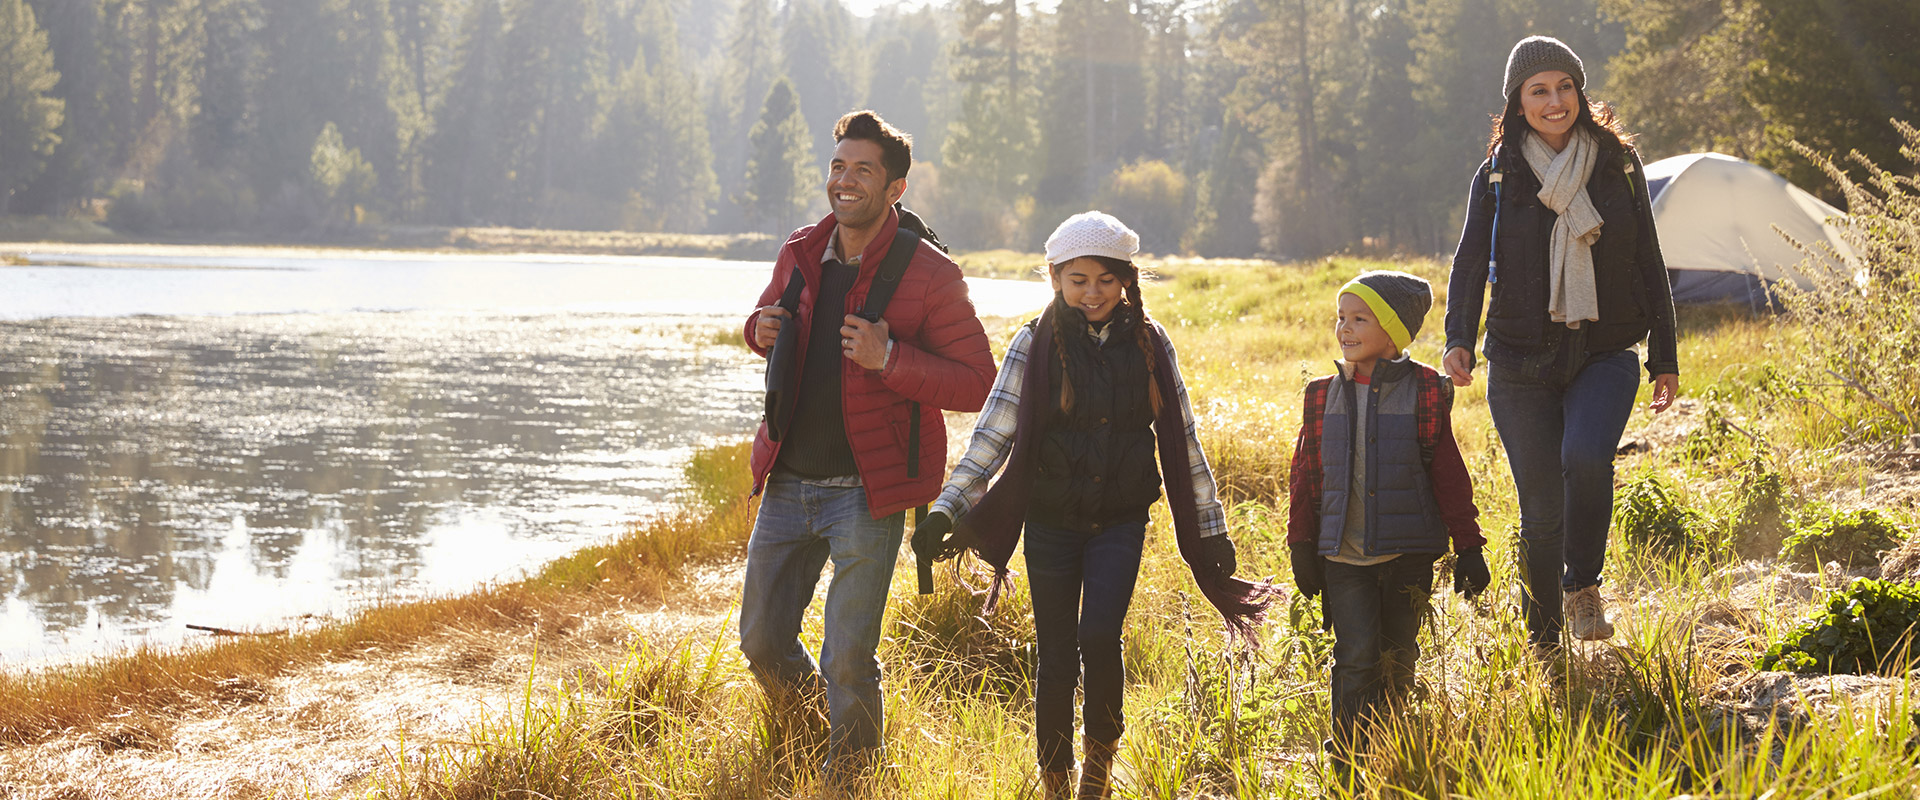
(1867, 628)
(1852, 538)
(1711, 439)
(1651, 515)
(1761, 517)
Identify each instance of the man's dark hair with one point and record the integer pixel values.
(896, 146)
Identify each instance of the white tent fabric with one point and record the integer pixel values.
(1716, 216)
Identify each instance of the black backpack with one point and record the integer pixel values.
(781, 391)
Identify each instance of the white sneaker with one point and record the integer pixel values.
(1587, 615)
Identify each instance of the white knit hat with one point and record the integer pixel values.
(1092, 234)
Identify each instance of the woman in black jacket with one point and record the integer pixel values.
(1560, 232)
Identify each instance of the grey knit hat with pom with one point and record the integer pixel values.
(1537, 54)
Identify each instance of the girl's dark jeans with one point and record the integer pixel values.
(1376, 612)
(1561, 433)
(1082, 582)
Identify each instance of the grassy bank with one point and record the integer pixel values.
(642, 565)
(1672, 705)
(744, 246)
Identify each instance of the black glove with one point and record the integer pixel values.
(929, 540)
(1309, 571)
(1470, 576)
(1217, 552)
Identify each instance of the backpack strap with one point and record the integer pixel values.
(887, 279)
(1495, 177)
(885, 282)
(790, 298)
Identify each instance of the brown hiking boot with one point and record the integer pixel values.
(1587, 615)
(1097, 770)
(1056, 785)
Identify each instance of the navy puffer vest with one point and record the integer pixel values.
(1402, 514)
(1097, 466)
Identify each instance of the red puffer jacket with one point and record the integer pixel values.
(941, 360)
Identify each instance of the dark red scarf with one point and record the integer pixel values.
(993, 527)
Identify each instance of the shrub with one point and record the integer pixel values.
(1867, 628)
(1150, 196)
(1861, 320)
(1651, 515)
(1852, 538)
(1761, 517)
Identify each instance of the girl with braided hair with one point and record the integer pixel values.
(1103, 397)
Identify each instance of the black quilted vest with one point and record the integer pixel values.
(1097, 466)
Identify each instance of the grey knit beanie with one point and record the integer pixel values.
(1407, 297)
(1537, 54)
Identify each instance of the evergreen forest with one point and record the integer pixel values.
(1283, 128)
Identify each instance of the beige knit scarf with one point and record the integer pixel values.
(1563, 188)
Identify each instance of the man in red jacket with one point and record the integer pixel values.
(866, 441)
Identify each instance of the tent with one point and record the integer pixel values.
(1716, 216)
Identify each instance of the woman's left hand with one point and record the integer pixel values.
(1665, 389)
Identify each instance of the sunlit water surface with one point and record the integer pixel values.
(236, 441)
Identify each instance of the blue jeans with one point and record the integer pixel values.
(801, 525)
(1376, 612)
(1082, 584)
(1561, 433)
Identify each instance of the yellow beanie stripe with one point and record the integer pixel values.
(1389, 320)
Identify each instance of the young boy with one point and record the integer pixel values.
(1378, 487)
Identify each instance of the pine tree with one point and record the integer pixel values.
(555, 53)
(79, 161)
(988, 154)
(780, 172)
(816, 43)
(656, 157)
(1093, 122)
(466, 171)
(29, 112)
(751, 59)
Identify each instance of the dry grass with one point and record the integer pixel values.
(640, 566)
(1666, 708)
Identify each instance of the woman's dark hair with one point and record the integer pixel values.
(1126, 271)
(1598, 118)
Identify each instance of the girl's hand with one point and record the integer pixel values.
(1665, 389)
(1458, 362)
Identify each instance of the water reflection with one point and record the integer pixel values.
(283, 434)
(232, 470)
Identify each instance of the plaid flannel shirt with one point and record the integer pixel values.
(1433, 410)
(992, 441)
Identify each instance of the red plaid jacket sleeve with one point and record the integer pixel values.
(1446, 468)
(1304, 478)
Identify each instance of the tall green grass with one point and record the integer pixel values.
(1656, 712)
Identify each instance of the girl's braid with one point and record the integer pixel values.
(1060, 351)
(1146, 342)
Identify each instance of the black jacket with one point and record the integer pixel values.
(1630, 275)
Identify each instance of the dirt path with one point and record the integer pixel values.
(332, 729)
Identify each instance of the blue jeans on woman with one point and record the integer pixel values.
(1082, 583)
(1561, 432)
(801, 525)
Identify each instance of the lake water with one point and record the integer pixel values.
(236, 439)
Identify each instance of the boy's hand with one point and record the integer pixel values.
(1470, 575)
(1217, 552)
(1458, 362)
(1308, 572)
